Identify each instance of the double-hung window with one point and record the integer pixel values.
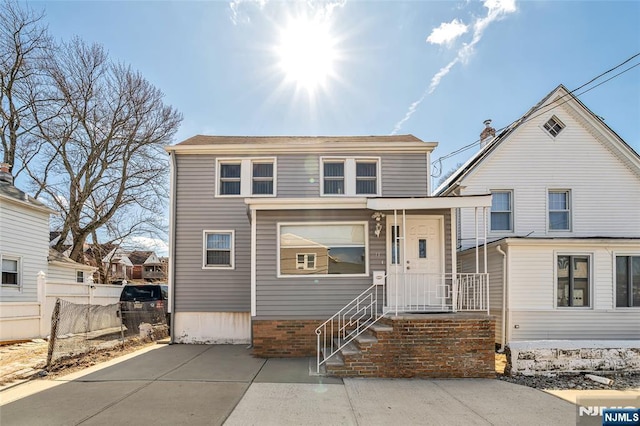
(573, 281)
(218, 249)
(323, 249)
(502, 211)
(10, 270)
(352, 176)
(559, 207)
(79, 276)
(246, 177)
(333, 177)
(627, 281)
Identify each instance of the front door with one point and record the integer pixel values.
(415, 264)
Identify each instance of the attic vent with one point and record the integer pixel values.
(554, 126)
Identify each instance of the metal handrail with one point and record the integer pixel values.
(347, 324)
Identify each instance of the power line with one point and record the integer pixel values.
(553, 105)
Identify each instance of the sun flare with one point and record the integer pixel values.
(307, 53)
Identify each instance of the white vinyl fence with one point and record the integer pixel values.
(28, 320)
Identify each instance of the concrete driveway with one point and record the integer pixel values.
(224, 384)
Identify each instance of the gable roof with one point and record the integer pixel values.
(12, 194)
(139, 257)
(59, 259)
(273, 144)
(615, 143)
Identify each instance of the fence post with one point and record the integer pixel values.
(41, 281)
(55, 318)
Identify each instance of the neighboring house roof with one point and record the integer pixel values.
(290, 240)
(117, 255)
(58, 259)
(12, 194)
(300, 143)
(143, 257)
(607, 136)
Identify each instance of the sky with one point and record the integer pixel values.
(434, 69)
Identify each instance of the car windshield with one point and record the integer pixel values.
(141, 293)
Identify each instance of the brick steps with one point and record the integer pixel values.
(420, 346)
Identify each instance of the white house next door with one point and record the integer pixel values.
(415, 264)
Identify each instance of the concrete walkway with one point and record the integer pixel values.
(222, 384)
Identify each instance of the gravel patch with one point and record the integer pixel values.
(579, 381)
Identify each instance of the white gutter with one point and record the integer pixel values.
(254, 228)
(172, 245)
(504, 298)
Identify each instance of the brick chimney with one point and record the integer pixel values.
(5, 174)
(488, 133)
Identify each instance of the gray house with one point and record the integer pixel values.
(275, 240)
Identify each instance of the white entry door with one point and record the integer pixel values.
(415, 265)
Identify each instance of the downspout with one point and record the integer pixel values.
(172, 247)
(504, 298)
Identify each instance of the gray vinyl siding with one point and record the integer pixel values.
(316, 297)
(403, 175)
(577, 325)
(307, 297)
(197, 209)
(297, 176)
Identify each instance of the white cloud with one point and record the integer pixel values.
(496, 10)
(240, 15)
(160, 247)
(447, 32)
(237, 14)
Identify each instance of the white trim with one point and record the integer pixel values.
(350, 177)
(288, 146)
(306, 203)
(614, 274)
(591, 276)
(428, 202)
(557, 120)
(454, 240)
(254, 266)
(513, 213)
(20, 278)
(246, 176)
(569, 193)
(232, 253)
(329, 223)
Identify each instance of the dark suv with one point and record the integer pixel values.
(143, 303)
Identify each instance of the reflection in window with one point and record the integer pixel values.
(573, 281)
(332, 249)
(627, 281)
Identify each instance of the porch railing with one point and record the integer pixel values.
(348, 323)
(423, 292)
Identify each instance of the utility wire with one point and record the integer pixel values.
(553, 105)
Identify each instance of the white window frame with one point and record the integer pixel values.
(512, 225)
(350, 175)
(549, 131)
(305, 263)
(313, 276)
(246, 176)
(17, 259)
(569, 209)
(615, 279)
(79, 276)
(232, 254)
(591, 274)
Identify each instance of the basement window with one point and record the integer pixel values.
(554, 126)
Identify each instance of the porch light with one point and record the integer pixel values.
(378, 217)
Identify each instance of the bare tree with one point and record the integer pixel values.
(101, 163)
(24, 44)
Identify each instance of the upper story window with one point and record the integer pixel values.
(627, 281)
(573, 275)
(502, 210)
(79, 276)
(350, 176)
(218, 250)
(554, 126)
(246, 177)
(10, 270)
(559, 207)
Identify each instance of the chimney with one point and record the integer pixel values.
(488, 133)
(5, 174)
